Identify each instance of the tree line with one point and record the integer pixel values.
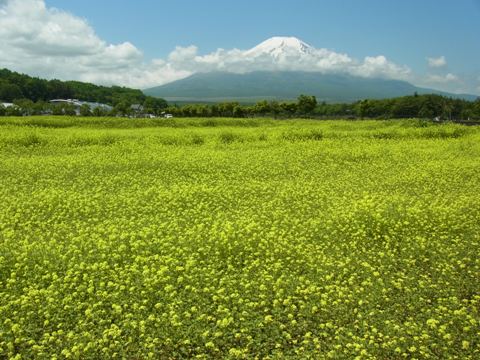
(31, 95)
(414, 106)
(304, 105)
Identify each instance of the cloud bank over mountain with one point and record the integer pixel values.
(283, 54)
(52, 43)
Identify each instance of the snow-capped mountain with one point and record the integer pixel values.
(283, 68)
(279, 46)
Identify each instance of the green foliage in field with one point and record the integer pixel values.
(231, 238)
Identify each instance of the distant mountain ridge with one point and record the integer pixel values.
(286, 85)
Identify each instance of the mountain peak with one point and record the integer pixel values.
(280, 46)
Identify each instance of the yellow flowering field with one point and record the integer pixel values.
(238, 239)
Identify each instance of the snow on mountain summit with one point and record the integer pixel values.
(280, 46)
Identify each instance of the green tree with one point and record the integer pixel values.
(275, 108)
(99, 111)
(63, 109)
(306, 104)
(35, 89)
(154, 106)
(13, 111)
(59, 90)
(447, 109)
(476, 108)
(406, 107)
(426, 112)
(226, 108)
(40, 107)
(262, 107)
(26, 106)
(289, 108)
(238, 111)
(364, 109)
(85, 110)
(123, 108)
(204, 111)
(69, 109)
(10, 92)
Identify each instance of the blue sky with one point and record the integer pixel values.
(406, 32)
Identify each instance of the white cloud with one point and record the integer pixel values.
(437, 62)
(379, 66)
(321, 60)
(52, 43)
(443, 78)
(55, 44)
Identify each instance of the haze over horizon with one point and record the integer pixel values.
(147, 43)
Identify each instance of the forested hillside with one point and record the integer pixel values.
(20, 86)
